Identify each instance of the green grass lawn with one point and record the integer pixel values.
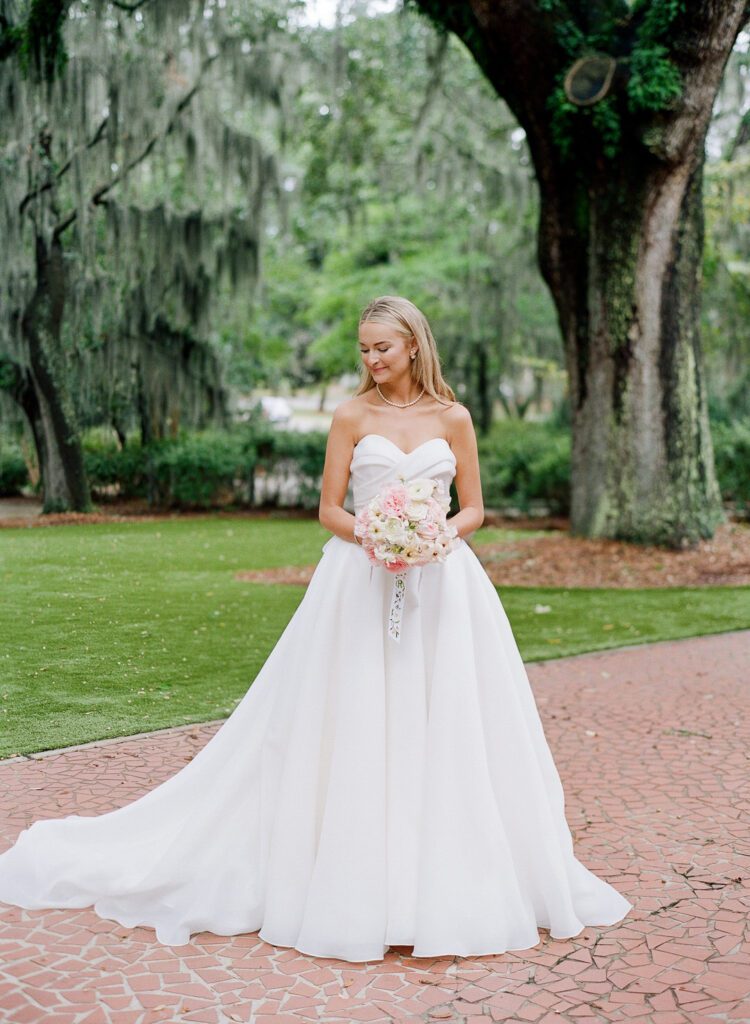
(109, 630)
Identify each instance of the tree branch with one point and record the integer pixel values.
(701, 43)
(521, 50)
(435, 62)
(98, 136)
(741, 137)
(97, 197)
(513, 42)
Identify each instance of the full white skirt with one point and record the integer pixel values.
(364, 793)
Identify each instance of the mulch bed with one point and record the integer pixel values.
(561, 560)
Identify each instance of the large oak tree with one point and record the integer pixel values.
(615, 100)
(133, 193)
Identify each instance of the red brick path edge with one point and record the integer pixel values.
(653, 747)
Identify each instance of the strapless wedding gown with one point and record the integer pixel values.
(365, 792)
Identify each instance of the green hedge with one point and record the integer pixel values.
(522, 464)
(205, 469)
(13, 473)
(732, 458)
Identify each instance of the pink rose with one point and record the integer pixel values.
(394, 503)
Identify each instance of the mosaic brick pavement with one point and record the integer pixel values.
(653, 748)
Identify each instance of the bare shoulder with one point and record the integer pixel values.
(347, 416)
(348, 411)
(458, 421)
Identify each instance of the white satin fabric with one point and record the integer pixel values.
(363, 793)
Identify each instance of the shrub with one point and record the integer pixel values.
(732, 459)
(108, 466)
(194, 470)
(524, 462)
(204, 469)
(13, 473)
(294, 454)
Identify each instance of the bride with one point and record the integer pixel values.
(375, 786)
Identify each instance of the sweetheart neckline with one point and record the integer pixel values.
(400, 449)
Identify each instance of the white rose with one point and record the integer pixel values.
(421, 488)
(416, 510)
(393, 531)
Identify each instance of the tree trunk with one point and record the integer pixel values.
(16, 380)
(620, 238)
(480, 396)
(483, 391)
(623, 261)
(45, 391)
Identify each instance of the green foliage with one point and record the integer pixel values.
(193, 470)
(658, 17)
(522, 463)
(13, 472)
(570, 38)
(38, 39)
(564, 116)
(190, 471)
(108, 466)
(653, 81)
(606, 121)
(461, 18)
(725, 306)
(732, 459)
(210, 468)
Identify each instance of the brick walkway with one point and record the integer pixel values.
(653, 747)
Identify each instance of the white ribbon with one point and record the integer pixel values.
(397, 604)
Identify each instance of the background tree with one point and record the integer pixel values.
(618, 149)
(406, 173)
(133, 198)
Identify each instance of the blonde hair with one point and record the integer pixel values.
(410, 322)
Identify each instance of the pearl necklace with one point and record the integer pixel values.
(399, 405)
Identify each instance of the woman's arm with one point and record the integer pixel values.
(331, 513)
(468, 481)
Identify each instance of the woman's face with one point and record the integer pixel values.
(384, 351)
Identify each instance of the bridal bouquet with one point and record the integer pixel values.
(405, 524)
